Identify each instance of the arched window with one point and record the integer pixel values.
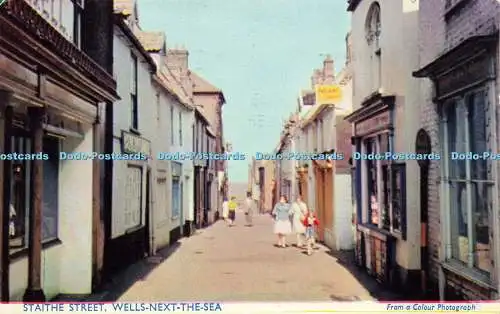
(373, 24)
(373, 31)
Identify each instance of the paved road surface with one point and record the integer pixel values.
(241, 263)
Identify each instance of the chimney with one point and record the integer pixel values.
(316, 78)
(328, 70)
(177, 61)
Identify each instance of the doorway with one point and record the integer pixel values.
(423, 146)
(148, 207)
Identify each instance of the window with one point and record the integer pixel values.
(373, 28)
(172, 139)
(20, 192)
(50, 189)
(133, 94)
(386, 185)
(180, 128)
(158, 108)
(194, 134)
(77, 22)
(133, 194)
(176, 197)
(469, 182)
(371, 167)
(373, 25)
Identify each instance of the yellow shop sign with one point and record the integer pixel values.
(328, 94)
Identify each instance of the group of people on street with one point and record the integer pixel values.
(229, 210)
(295, 218)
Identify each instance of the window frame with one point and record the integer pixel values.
(22, 137)
(172, 129)
(180, 128)
(452, 232)
(385, 186)
(175, 215)
(78, 10)
(134, 114)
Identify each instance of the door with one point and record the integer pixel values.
(423, 146)
(424, 257)
(262, 185)
(148, 214)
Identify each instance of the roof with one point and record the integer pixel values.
(458, 54)
(151, 41)
(210, 131)
(120, 22)
(314, 113)
(172, 86)
(202, 86)
(124, 7)
(201, 112)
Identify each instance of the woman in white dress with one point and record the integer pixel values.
(282, 225)
(299, 210)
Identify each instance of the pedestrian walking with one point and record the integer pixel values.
(225, 210)
(249, 209)
(299, 210)
(311, 222)
(232, 211)
(282, 226)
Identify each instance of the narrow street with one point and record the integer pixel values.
(242, 264)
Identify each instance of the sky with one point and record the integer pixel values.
(260, 53)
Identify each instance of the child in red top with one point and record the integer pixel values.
(311, 223)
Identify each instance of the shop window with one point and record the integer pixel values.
(371, 167)
(50, 189)
(470, 182)
(21, 192)
(398, 199)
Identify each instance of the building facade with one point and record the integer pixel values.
(52, 95)
(385, 103)
(212, 100)
(173, 180)
(458, 43)
(129, 225)
(201, 145)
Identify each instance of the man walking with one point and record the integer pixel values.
(249, 209)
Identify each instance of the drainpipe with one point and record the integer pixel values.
(152, 242)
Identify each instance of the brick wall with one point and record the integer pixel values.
(436, 35)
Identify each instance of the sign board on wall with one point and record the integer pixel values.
(309, 99)
(328, 94)
(134, 144)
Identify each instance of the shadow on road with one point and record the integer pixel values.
(376, 290)
(112, 290)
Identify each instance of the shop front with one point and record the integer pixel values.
(466, 102)
(380, 189)
(130, 215)
(323, 171)
(50, 102)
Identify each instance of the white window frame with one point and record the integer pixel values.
(172, 129)
(446, 213)
(180, 128)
